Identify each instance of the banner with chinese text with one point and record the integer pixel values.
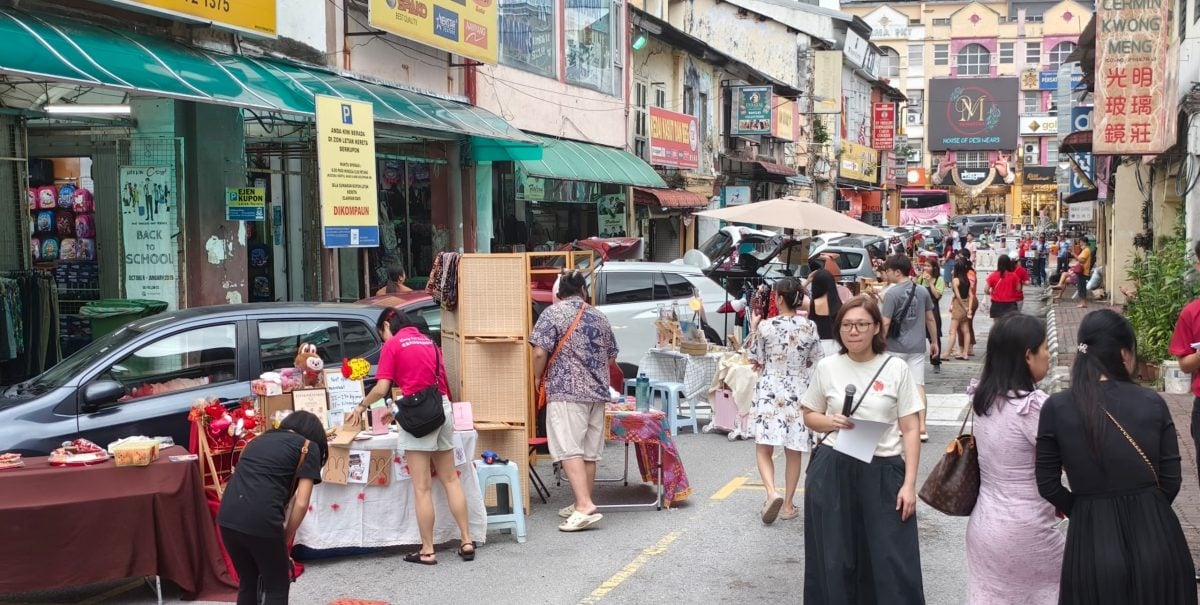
(1135, 92)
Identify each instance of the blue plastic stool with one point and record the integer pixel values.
(506, 474)
(671, 393)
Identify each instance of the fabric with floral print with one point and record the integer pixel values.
(580, 372)
(646, 430)
(787, 349)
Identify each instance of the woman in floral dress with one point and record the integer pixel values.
(784, 349)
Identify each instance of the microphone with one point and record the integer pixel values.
(848, 402)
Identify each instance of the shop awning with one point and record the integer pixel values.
(1077, 142)
(669, 198)
(776, 169)
(51, 48)
(574, 161)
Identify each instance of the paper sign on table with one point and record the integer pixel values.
(358, 466)
(381, 461)
(464, 420)
(460, 451)
(314, 401)
(337, 468)
(860, 441)
(401, 464)
(343, 392)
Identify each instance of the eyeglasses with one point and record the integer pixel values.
(857, 326)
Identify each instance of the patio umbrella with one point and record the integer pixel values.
(793, 213)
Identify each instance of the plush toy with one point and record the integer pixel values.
(244, 421)
(309, 364)
(355, 369)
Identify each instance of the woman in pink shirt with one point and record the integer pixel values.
(412, 363)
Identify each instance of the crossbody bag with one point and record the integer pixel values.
(1137, 447)
(541, 388)
(861, 397)
(422, 413)
(895, 327)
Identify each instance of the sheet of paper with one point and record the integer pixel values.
(860, 441)
(359, 464)
(460, 451)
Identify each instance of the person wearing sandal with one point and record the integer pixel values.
(409, 362)
(860, 518)
(266, 500)
(911, 308)
(783, 349)
(573, 345)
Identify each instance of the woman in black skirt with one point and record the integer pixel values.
(860, 528)
(1118, 445)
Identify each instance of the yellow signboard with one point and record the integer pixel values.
(256, 17)
(464, 27)
(346, 160)
(859, 162)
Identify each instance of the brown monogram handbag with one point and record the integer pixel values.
(953, 486)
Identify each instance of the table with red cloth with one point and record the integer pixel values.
(72, 526)
(651, 436)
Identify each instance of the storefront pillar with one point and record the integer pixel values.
(1127, 222)
(454, 170)
(215, 151)
(483, 207)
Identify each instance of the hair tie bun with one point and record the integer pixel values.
(1082, 348)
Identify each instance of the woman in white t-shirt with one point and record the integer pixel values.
(860, 517)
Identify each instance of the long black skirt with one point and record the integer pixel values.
(856, 548)
(1124, 549)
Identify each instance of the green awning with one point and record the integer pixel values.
(574, 161)
(53, 48)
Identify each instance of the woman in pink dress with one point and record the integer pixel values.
(1014, 549)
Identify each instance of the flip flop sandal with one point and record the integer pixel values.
(789, 516)
(565, 512)
(924, 437)
(770, 510)
(465, 554)
(579, 522)
(419, 558)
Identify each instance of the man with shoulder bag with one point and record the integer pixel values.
(908, 321)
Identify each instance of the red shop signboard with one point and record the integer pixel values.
(674, 139)
(883, 129)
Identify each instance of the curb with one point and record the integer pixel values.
(1060, 376)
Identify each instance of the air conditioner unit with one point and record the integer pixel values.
(1031, 149)
(912, 119)
(1031, 159)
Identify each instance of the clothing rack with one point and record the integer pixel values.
(29, 323)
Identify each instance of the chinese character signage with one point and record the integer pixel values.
(346, 163)
(883, 127)
(752, 109)
(464, 27)
(254, 17)
(784, 124)
(674, 139)
(1135, 93)
(859, 163)
(973, 114)
(827, 82)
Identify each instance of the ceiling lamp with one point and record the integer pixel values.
(89, 110)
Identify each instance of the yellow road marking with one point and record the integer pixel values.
(625, 572)
(733, 485)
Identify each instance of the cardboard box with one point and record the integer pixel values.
(268, 405)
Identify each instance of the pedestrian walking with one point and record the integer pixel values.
(576, 381)
(1064, 254)
(960, 313)
(1014, 547)
(1084, 257)
(784, 350)
(908, 322)
(1117, 443)
(413, 364)
(264, 503)
(1004, 286)
(1041, 249)
(973, 279)
(823, 306)
(1185, 346)
(860, 526)
(931, 279)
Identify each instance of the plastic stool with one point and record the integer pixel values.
(535, 479)
(507, 474)
(671, 394)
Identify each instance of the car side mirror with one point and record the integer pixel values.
(101, 393)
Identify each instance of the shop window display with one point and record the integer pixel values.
(527, 40)
(589, 44)
(406, 220)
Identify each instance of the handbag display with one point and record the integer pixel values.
(541, 397)
(953, 485)
(421, 413)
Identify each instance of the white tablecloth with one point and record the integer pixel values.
(694, 371)
(360, 515)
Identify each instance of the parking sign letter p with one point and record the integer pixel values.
(347, 118)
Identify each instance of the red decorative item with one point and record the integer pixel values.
(878, 385)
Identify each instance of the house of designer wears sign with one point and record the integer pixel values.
(149, 229)
(255, 17)
(978, 114)
(859, 162)
(883, 127)
(674, 139)
(346, 156)
(464, 27)
(752, 108)
(1135, 91)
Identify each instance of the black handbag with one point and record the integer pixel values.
(422, 413)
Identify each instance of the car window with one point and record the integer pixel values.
(187, 360)
(670, 286)
(849, 261)
(621, 287)
(428, 319)
(335, 340)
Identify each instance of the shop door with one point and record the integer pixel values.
(406, 196)
(664, 246)
(274, 267)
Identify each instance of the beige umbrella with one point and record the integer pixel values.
(793, 213)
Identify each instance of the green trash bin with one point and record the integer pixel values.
(109, 314)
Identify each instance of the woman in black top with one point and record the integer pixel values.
(257, 523)
(823, 306)
(1118, 445)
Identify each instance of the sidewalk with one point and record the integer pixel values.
(1187, 503)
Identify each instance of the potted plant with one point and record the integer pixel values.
(1163, 286)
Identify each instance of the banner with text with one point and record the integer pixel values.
(254, 17)
(752, 108)
(859, 163)
(149, 228)
(827, 82)
(464, 27)
(1135, 91)
(883, 127)
(674, 139)
(784, 124)
(346, 159)
(973, 114)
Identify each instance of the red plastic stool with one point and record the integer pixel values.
(538, 485)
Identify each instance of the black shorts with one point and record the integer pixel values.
(1000, 309)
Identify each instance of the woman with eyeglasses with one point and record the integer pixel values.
(860, 524)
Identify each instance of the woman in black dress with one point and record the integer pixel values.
(823, 306)
(1118, 445)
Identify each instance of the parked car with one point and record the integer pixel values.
(853, 263)
(979, 224)
(143, 378)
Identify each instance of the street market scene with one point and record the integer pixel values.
(366, 302)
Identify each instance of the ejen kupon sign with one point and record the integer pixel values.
(883, 127)
(674, 139)
(464, 27)
(1135, 83)
(752, 109)
(977, 114)
(255, 17)
(859, 163)
(346, 160)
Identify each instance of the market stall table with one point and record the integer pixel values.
(694, 372)
(657, 454)
(361, 515)
(71, 526)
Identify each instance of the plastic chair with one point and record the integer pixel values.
(671, 394)
(535, 479)
(505, 474)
